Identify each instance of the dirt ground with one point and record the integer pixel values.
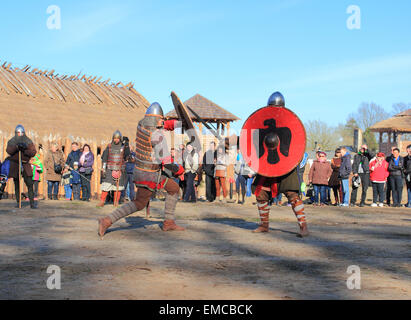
(217, 257)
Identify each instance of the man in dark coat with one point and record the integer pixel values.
(114, 160)
(20, 143)
(345, 171)
(407, 171)
(361, 168)
(396, 170)
(388, 185)
(208, 168)
(74, 155)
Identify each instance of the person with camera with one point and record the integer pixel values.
(54, 165)
(361, 168)
(21, 148)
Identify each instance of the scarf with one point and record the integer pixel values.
(83, 157)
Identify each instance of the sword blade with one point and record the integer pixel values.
(212, 130)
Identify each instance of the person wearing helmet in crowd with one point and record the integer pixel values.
(22, 144)
(113, 174)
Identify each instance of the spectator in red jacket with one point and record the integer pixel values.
(378, 176)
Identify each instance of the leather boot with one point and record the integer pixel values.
(55, 197)
(103, 225)
(170, 225)
(50, 197)
(303, 231)
(262, 228)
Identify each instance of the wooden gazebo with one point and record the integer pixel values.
(210, 112)
(397, 132)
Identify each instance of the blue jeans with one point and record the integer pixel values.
(278, 198)
(409, 194)
(76, 187)
(346, 191)
(67, 191)
(249, 183)
(320, 190)
(53, 187)
(396, 187)
(129, 187)
(240, 181)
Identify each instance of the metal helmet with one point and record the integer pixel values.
(155, 110)
(117, 134)
(276, 99)
(20, 129)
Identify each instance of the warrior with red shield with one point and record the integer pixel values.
(272, 142)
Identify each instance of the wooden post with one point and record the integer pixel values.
(228, 129)
(93, 183)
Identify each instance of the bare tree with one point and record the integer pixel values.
(321, 136)
(400, 107)
(369, 114)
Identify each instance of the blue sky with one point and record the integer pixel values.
(235, 53)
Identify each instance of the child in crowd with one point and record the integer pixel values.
(65, 182)
(75, 182)
(38, 169)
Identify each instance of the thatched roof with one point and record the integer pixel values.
(400, 123)
(76, 105)
(206, 109)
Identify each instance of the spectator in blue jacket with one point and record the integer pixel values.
(345, 171)
(75, 182)
(4, 173)
(129, 186)
(74, 155)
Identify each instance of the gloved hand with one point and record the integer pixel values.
(22, 146)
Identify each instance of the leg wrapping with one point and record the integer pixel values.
(263, 211)
(123, 211)
(170, 206)
(298, 208)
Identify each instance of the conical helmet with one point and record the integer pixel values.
(155, 110)
(20, 129)
(117, 134)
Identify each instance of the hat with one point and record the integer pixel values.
(381, 154)
(75, 163)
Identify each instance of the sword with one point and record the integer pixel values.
(79, 174)
(213, 131)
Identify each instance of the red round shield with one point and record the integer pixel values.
(290, 131)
